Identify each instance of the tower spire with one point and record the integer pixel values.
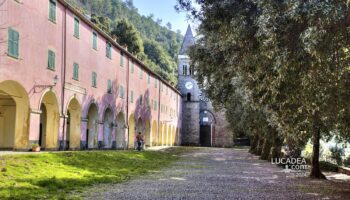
(187, 42)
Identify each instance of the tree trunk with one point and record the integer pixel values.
(315, 168)
(266, 149)
(276, 147)
(253, 143)
(260, 146)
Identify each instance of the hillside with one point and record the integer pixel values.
(160, 43)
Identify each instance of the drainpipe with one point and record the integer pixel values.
(158, 109)
(63, 75)
(127, 102)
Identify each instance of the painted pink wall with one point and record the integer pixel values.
(38, 34)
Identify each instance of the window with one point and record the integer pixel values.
(140, 101)
(121, 60)
(188, 96)
(155, 105)
(148, 79)
(51, 60)
(109, 86)
(166, 89)
(161, 86)
(109, 50)
(94, 79)
(184, 69)
(94, 40)
(52, 10)
(76, 27)
(121, 92)
(141, 73)
(132, 67)
(13, 43)
(75, 71)
(155, 83)
(132, 96)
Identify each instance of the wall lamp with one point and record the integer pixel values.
(55, 80)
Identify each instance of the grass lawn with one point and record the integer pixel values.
(54, 175)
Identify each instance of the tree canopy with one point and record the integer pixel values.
(292, 60)
(108, 14)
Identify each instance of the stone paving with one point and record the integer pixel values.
(213, 173)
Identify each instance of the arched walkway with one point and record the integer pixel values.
(14, 116)
(73, 124)
(107, 128)
(92, 128)
(160, 134)
(147, 133)
(120, 136)
(49, 121)
(154, 133)
(131, 131)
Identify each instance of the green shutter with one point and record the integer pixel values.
(51, 60)
(94, 40)
(13, 43)
(141, 73)
(132, 67)
(76, 27)
(108, 50)
(155, 83)
(52, 10)
(132, 97)
(148, 79)
(109, 86)
(121, 60)
(121, 92)
(75, 71)
(94, 79)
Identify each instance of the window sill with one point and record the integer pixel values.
(76, 36)
(52, 21)
(51, 69)
(76, 79)
(94, 86)
(13, 56)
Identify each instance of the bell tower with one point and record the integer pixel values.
(190, 94)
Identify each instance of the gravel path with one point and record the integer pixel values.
(212, 173)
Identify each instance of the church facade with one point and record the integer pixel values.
(202, 125)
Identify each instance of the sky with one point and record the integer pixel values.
(164, 9)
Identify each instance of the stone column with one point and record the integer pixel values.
(62, 130)
(83, 128)
(34, 130)
(100, 134)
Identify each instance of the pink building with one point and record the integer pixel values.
(65, 84)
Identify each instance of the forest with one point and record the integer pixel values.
(152, 42)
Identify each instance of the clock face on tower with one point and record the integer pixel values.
(189, 85)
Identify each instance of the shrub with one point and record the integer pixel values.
(328, 167)
(336, 154)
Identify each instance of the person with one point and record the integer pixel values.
(139, 140)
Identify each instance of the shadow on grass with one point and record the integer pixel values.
(55, 175)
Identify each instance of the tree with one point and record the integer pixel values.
(103, 23)
(126, 34)
(169, 26)
(292, 57)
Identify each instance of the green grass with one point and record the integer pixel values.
(56, 175)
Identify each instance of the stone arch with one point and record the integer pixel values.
(49, 121)
(160, 134)
(120, 135)
(14, 116)
(154, 133)
(132, 128)
(73, 124)
(92, 126)
(165, 134)
(107, 128)
(147, 133)
(177, 137)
